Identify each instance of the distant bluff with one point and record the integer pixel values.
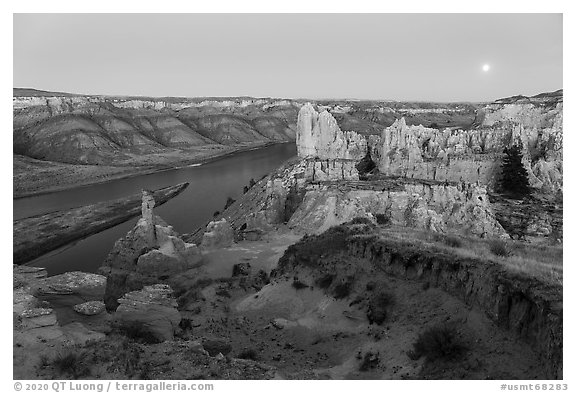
(453, 154)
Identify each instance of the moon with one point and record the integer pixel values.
(486, 67)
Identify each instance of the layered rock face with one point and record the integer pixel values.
(459, 208)
(319, 136)
(330, 153)
(150, 252)
(104, 130)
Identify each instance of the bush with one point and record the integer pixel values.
(361, 220)
(342, 290)
(138, 333)
(229, 202)
(382, 219)
(298, 285)
(71, 363)
(500, 248)
(249, 354)
(438, 342)
(379, 306)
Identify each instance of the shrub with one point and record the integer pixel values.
(382, 219)
(361, 220)
(185, 324)
(229, 202)
(379, 306)
(438, 342)
(138, 333)
(342, 290)
(500, 248)
(452, 241)
(71, 363)
(298, 284)
(249, 354)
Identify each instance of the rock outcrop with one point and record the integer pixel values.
(152, 310)
(150, 252)
(219, 234)
(330, 153)
(41, 306)
(319, 136)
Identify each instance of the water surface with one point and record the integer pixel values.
(210, 185)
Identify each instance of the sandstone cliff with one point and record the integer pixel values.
(474, 155)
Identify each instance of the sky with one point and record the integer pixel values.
(416, 57)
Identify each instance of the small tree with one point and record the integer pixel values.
(229, 202)
(514, 177)
(366, 165)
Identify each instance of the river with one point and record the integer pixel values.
(210, 185)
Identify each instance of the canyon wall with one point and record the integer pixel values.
(452, 154)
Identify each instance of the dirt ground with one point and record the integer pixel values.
(289, 333)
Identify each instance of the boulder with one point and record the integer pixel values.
(87, 286)
(219, 234)
(94, 307)
(153, 309)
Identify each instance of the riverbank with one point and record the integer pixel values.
(36, 177)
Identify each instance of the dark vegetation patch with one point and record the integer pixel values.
(71, 363)
(379, 307)
(297, 284)
(383, 219)
(366, 165)
(229, 202)
(342, 290)
(449, 240)
(137, 332)
(500, 248)
(438, 342)
(249, 354)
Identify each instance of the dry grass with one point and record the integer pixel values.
(544, 262)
